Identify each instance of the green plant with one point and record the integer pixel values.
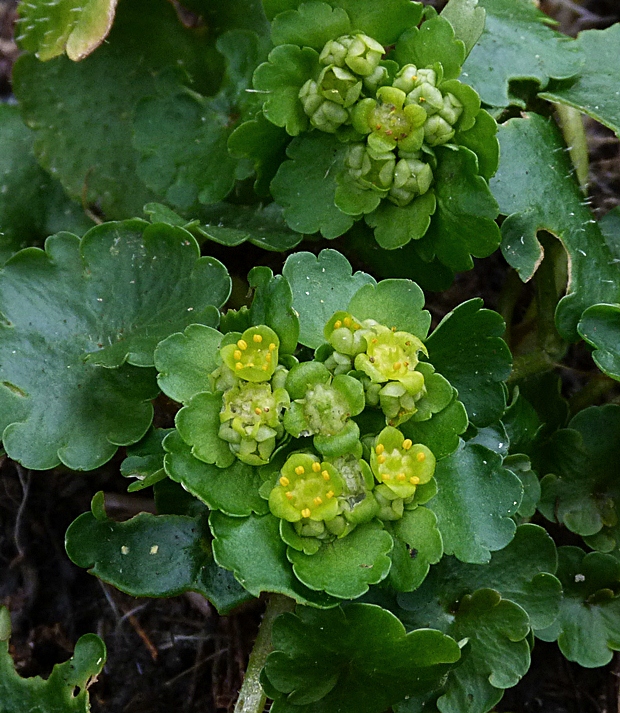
(375, 478)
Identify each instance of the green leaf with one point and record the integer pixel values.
(417, 545)
(280, 79)
(394, 303)
(75, 27)
(233, 490)
(587, 629)
(433, 42)
(313, 24)
(543, 195)
(520, 465)
(475, 500)
(145, 460)
(185, 361)
(482, 140)
(374, 664)
(581, 487)
(252, 549)
(66, 689)
(198, 424)
(595, 89)
(464, 221)
(345, 567)
(395, 226)
(521, 421)
(599, 326)
(82, 112)
(273, 305)
(321, 286)
(517, 43)
(306, 185)
(32, 204)
(468, 350)
(232, 225)
(441, 432)
(153, 556)
(467, 19)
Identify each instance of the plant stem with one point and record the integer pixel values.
(571, 124)
(252, 698)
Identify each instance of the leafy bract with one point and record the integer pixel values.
(354, 659)
(82, 113)
(595, 89)
(80, 306)
(476, 497)
(395, 226)
(312, 24)
(587, 629)
(321, 286)
(273, 305)
(467, 19)
(517, 43)
(145, 460)
(581, 487)
(66, 689)
(152, 556)
(468, 350)
(49, 29)
(305, 185)
(441, 432)
(600, 326)
(32, 204)
(540, 194)
(251, 547)
(463, 224)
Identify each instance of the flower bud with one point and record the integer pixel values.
(345, 333)
(371, 170)
(411, 178)
(427, 96)
(406, 78)
(324, 114)
(339, 86)
(452, 109)
(359, 52)
(437, 131)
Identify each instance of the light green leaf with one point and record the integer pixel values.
(321, 286)
(273, 305)
(441, 432)
(75, 26)
(198, 424)
(417, 545)
(306, 185)
(517, 43)
(313, 24)
(395, 226)
(540, 194)
(595, 89)
(66, 689)
(482, 140)
(475, 500)
(467, 19)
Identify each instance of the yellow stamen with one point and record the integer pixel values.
(300, 470)
(420, 457)
(325, 475)
(374, 341)
(289, 496)
(414, 480)
(265, 367)
(401, 477)
(405, 364)
(396, 365)
(284, 481)
(407, 443)
(415, 78)
(238, 365)
(347, 321)
(422, 99)
(393, 329)
(381, 459)
(317, 500)
(267, 357)
(329, 494)
(258, 338)
(316, 466)
(258, 410)
(337, 324)
(305, 512)
(379, 449)
(272, 346)
(251, 363)
(242, 344)
(386, 477)
(357, 326)
(237, 354)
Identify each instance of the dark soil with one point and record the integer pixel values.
(179, 653)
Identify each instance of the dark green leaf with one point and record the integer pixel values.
(153, 556)
(66, 689)
(145, 460)
(540, 194)
(321, 286)
(520, 465)
(355, 659)
(517, 43)
(395, 226)
(599, 326)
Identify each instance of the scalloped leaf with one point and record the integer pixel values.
(543, 195)
(233, 490)
(475, 500)
(346, 567)
(463, 224)
(521, 466)
(251, 547)
(441, 432)
(66, 689)
(394, 303)
(312, 24)
(82, 112)
(75, 27)
(305, 186)
(273, 305)
(517, 43)
(374, 665)
(467, 19)
(581, 488)
(321, 285)
(595, 89)
(152, 556)
(481, 138)
(468, 350)
(587, 629)
(417, 545)
(32, 204)
(395, 226)
(145, 460)
(600, 327)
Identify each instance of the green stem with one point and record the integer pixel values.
(252, 698)
(571, 124)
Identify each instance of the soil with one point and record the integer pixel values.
(179, 653)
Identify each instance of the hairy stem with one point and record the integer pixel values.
(252, 698)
